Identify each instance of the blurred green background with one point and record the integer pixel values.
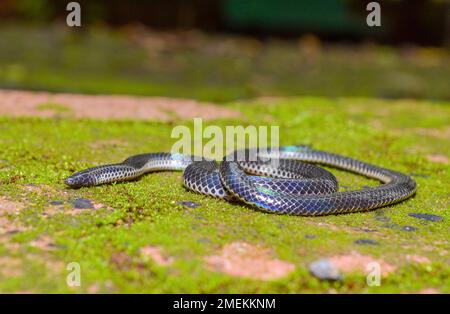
(226, 50)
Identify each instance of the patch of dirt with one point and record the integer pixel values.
(154, 253)
(54, 194)
(7, 229)
(26, 103)
(67, 209)
(94, 288)
(443, 253)
(433, 132)
(45, 190)
(44, 243)
(348, 229)
(8, 226)
(55, 266)
(77, 211)
(329, 226)
(377, 124)
(245, 260)
(39, 188)
(429, 291)
(430, 248)
(443, 133)
(121, 260)
(10, 266)
(357, 263)
(418, 259)
(12, 247)
(97, 287)
(9, 207)
(24, 292)
(438, 158)
(53, 210)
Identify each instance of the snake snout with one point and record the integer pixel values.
(80, 180)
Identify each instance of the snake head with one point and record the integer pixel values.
(80, 179)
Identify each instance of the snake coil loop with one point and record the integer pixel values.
(294, 186)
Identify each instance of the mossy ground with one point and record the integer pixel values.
(407, 135)
(37, 154)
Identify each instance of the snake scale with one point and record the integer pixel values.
(294, 186)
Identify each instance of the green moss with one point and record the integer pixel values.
(42, 152)
(57, 108)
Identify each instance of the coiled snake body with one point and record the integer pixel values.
(293, 186)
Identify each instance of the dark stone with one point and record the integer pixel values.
(10, 232)
(189, 204)
(310, 236)
(56, 202)
(409, 228)
(428, 217)
(82, 203)
(324, 270)
(366, 241)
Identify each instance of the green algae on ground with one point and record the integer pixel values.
(37, 154)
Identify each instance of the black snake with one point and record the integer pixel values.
(293, 186)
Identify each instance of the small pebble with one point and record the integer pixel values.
(189, 204)
(310, 236)
(409, 228)
(366, 241)
(82, 203)
(428, 217)
(324, 270)
(56, 202)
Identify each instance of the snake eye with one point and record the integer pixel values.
(70, 181)
(74, 181)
